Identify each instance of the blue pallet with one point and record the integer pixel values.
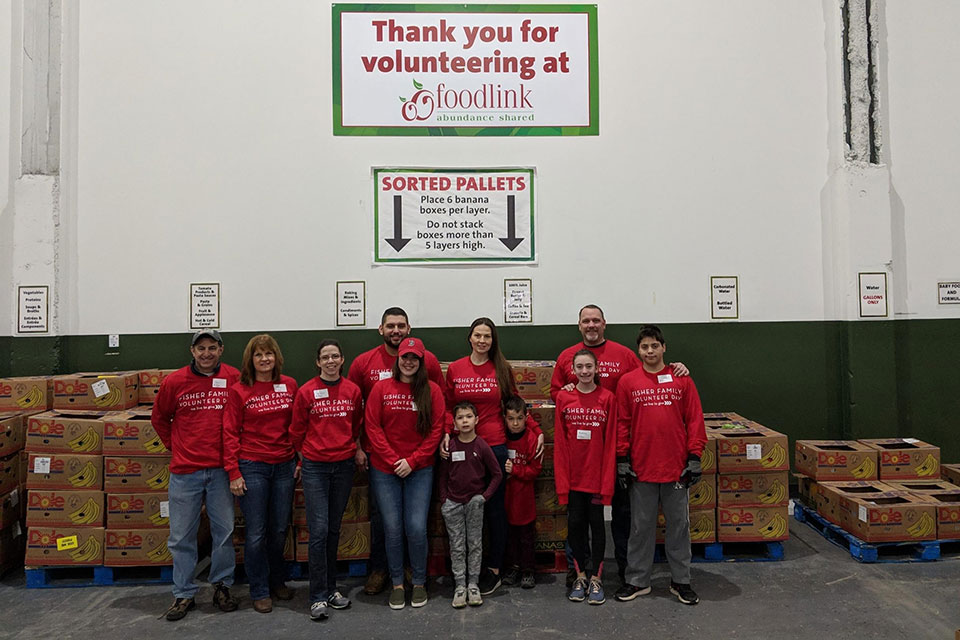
(730, 552)
(868, 552)
(73, 577)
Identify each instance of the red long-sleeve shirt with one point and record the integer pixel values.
(585, 443)
(659, 423)
(370, 367)
(391, 426)
(327, 419)
(520, 501)
(478, 384)
(256, 423)
(188, 417)
(613, 361)
(470, 470)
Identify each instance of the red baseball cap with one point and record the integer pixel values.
(411, 345)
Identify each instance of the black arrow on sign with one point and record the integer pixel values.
(511, 241)
(398, 242)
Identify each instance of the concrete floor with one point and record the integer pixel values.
(818, 591)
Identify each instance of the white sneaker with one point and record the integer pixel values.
(473, 596)
(459, 597)
(318, 610)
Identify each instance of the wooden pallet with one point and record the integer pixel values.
(861, 551)
(57, 577)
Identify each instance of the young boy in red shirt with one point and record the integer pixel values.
(522, 467)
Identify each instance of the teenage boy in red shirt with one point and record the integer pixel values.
(188, 417)
(660, 438)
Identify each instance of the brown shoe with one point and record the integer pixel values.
(283, 592)
(376, 583)
(222, 598)
(263, 605)
(179, 609)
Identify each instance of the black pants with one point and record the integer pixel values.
(586, 519)
(620, 527)
(520, 546)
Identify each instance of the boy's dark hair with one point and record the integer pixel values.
(515, 403)
(394, 311)
(464, 404)
(650, 331)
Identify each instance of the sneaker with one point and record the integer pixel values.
(512, 576)
(419, 596)
(579, 590)
(179, 609)
(684, 593)
(338, 601)
(222, 598)
(571, 577)
(283, 592)
(376, 583)
(318, 610)
(263, 605)
(473, 596)
(489, 582)
(528, 581)
(628, 592)
(460, 597)
(398, 598)
(595, 592)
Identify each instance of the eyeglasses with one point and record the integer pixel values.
(329, 358)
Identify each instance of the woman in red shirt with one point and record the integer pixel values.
(259, 458)
(485, 379)
(327, 418)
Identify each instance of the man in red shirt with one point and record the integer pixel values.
(366, 370)
(188, 417)
(660, 438)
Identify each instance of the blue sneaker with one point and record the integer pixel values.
(595, 592)
(579, 590)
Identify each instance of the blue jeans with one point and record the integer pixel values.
(495, 514)
(266, 507)
(326, 488)
(404, 504)
(187, 494)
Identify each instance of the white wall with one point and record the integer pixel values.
(8, 159)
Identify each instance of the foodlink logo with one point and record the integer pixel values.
(480, 104)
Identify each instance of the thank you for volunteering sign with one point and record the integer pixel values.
(453, 215)
(425, 69)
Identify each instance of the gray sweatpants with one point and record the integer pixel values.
(644, 498)
(465, 528)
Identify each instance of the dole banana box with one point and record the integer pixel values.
(544, 413)
(905, 458)
(922, 487)
(703, 526)
(947, 504)
(131, 434)
(354, 541)
(892, 516)
(22, 475)
(299, 508)
(109, 391)
(55, 507)
(753, 489)
(290, 546)
(302, 536)
(136, 473)
(545, 492)
(64, 546)
(833, 499)
(66, 432)
(533, 378)
(807, 488)
(358, 506)
(546, 464)
(951, 473)
(11, 507)
(708, 459)
(750, 448)
(11, 433)
(752, 524)
(835, 460)
(551, 533)
(10, 473)
(703, 495)
(149, 384)
(136, 547)
(32, 392)
(143, 510)
(64, 471)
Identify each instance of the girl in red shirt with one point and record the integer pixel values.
(259, 458)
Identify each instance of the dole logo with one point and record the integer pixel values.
(118, 503)
(885, 516)
(525, 376)
(5, 389)
(122, 540)
(120, 429)
(736, 517)
(948, 514)
(894, 457)
(735, 483)
(40, 538)
(728, 447)
(45, 428)
(62, 387)
(56, 465)
(130, 467)
(45, 501)
(830, 459)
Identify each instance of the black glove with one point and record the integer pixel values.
(625, 474)
(692, 472)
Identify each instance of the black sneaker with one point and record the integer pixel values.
(512, 576)
(628, 592)
(528, 581)
(489, 582)
(179, 609)
(684, 593)
(222, 598)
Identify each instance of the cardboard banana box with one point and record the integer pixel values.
(753, 489)
(63, 507)
(302, 542)
(922, 487)
(109, 391)
(358, 505)
(752, 524)
(31, 392)
(22, 472)
(149, 386)
(299, 508)
(11, 507)
(807, 488)
(905, 458)
(136, 548)
(64, 546)
(951, 473)
(64, 471)
(546, 466)
(136, 474)
(145, 510)
(354, 541)
(131, 434)
(547, 502)
(892, 516)
(703, 526)
(11, 433)
(66, 432)
(708, 459)
(544, 413)
(750, 448)
(833, 499)
(835, 460)
(10, 473)
(947, 504)
(551, 533)
(533, 378)
(703, 495)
